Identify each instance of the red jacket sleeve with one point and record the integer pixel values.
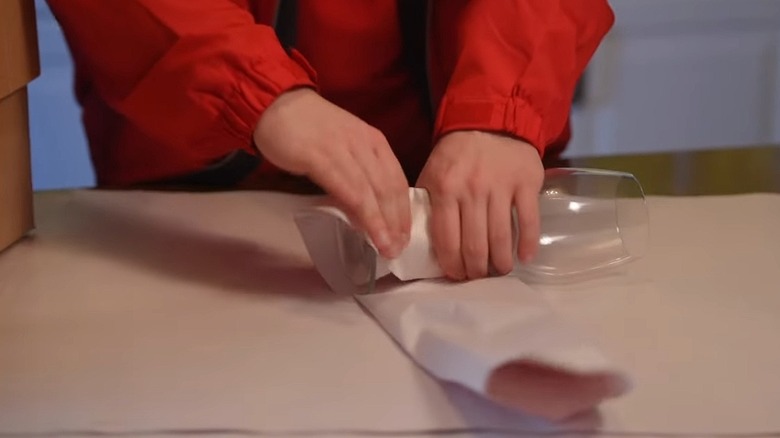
(193, 74)
(512, 66)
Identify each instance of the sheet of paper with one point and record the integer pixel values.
(331, 242)
(496, 336)
(141, 311)
(500, 339)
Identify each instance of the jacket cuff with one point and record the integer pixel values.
(259, 87)
(511, 115)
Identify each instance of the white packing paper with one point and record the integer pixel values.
(496, 336)
(499, 338)
(134, 312)
(320, 227)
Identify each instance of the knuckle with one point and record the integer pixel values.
(315, 162)
(372, 220)
(376, 138)
(477, 270)
(500, 238)
(475, 251)
(447, 184)
(400, 185)
(500, 229)
(447, 249)
(476, 185)
(352, 200)
(527, 219)
(356, 201)
(382, 191)
(529, 227)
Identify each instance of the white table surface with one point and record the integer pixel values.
(152, 314)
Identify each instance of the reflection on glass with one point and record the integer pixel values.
(590, 220)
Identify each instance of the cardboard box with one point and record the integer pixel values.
(18, 66)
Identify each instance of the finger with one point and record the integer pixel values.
(527, 204)
(382, 191)
(474, 236)
(500, 232)
(398, 193)
(343, 179)
(445, 233)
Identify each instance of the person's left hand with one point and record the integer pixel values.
(474, 178)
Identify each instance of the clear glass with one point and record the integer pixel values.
(358, 259)
(591, 220)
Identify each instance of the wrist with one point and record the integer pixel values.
(485, 135)
(279, 107)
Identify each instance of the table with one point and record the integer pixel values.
(158, 314)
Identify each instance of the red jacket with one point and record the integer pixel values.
(172, 87)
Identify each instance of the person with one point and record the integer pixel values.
(364, 98)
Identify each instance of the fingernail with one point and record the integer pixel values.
(390, 249)
(383, 240)
(526, 257)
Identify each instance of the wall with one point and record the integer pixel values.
(59, 148)
(683, 74)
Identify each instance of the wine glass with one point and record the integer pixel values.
(591, 220)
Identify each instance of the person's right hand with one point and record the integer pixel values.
(304, 134)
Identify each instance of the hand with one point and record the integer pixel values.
(305, 134)
(474, 178)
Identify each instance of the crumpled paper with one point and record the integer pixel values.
(496, 336)
(320, 228)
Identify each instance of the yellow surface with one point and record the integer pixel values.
(722, 172)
